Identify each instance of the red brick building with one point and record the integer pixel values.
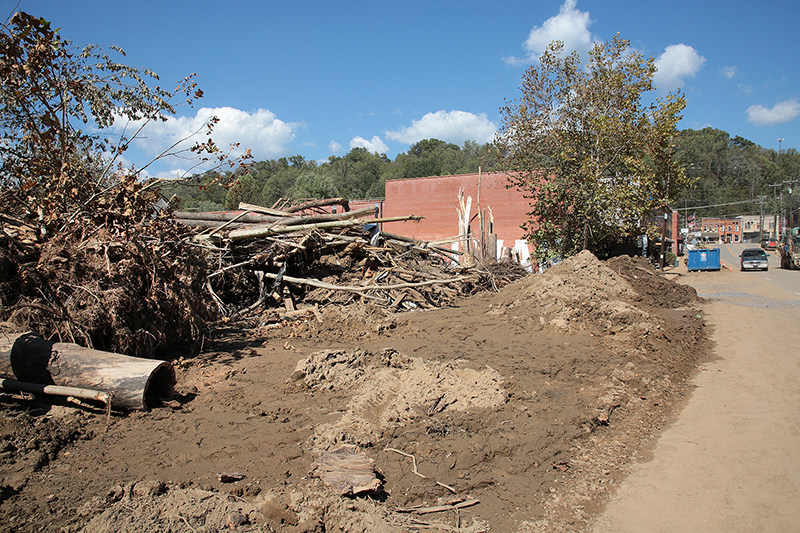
(728, 230)
(436, 199)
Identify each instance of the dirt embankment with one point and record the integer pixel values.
(527, 400)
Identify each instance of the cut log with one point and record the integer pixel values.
(262, 231)
(133, 383)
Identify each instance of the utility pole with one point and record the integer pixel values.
(776, 218)
(790, 183)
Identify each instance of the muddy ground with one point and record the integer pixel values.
(528, 400)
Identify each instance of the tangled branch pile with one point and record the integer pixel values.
(287, 267)
(132, 288)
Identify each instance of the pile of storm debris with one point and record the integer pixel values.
(276, 264)
(152, 286)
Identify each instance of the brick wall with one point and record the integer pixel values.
(436, 199)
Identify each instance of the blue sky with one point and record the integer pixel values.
(319, 78)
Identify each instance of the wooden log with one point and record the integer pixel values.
(133, 383)
(350, 288)
(262, 209)
(262, 231)
(491, 249)
(321, 203)
(224, 216)
(54, 390)
(199, 223)
(422, 244)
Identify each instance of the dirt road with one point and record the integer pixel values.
(729, 461)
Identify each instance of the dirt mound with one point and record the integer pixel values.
(651, 286)
(391, 390)
(580, 293)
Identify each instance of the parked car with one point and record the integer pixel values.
(754, 259)
(769, 244)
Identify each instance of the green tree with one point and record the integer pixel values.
(357, 174)
(595, 161)
(244, 189)
(313, 184)
(279, 184)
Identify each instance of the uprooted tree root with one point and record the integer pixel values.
(131, 289)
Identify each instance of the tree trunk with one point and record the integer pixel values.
(134, 383)
(586, 234)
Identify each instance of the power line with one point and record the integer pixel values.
(714, 205)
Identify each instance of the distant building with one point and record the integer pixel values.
(752, 231)
(721, 230)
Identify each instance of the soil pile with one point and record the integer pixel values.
(505, 411)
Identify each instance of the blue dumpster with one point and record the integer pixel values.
(701, 259)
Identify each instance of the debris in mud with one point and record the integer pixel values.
(230, 477)
(286, 263)
(151, 289)
(347, 471)
(486, 393)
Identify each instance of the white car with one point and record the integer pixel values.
(754, 259)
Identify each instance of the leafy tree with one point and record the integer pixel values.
(357, 174)
(52, 97)
(595, 161)
(315, 183)
(279, 185)
(244, 189)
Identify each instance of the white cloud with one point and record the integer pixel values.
(570, 26)
(335, 147)
(261, 131)
(744, 90)
(729, 72)
(376, 145)
(454, 127)
(678, 61)
(780, 113)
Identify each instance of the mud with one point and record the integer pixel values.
(529, 400)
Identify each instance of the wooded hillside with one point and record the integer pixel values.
(728, 169)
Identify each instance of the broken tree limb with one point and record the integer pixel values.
(438, 508)
(133, 383)
(351, 288)
(226, 216)
(54, 390)
(262, 209)
(416, 472)
(423, 244)
(261, 231)
(322, 203)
